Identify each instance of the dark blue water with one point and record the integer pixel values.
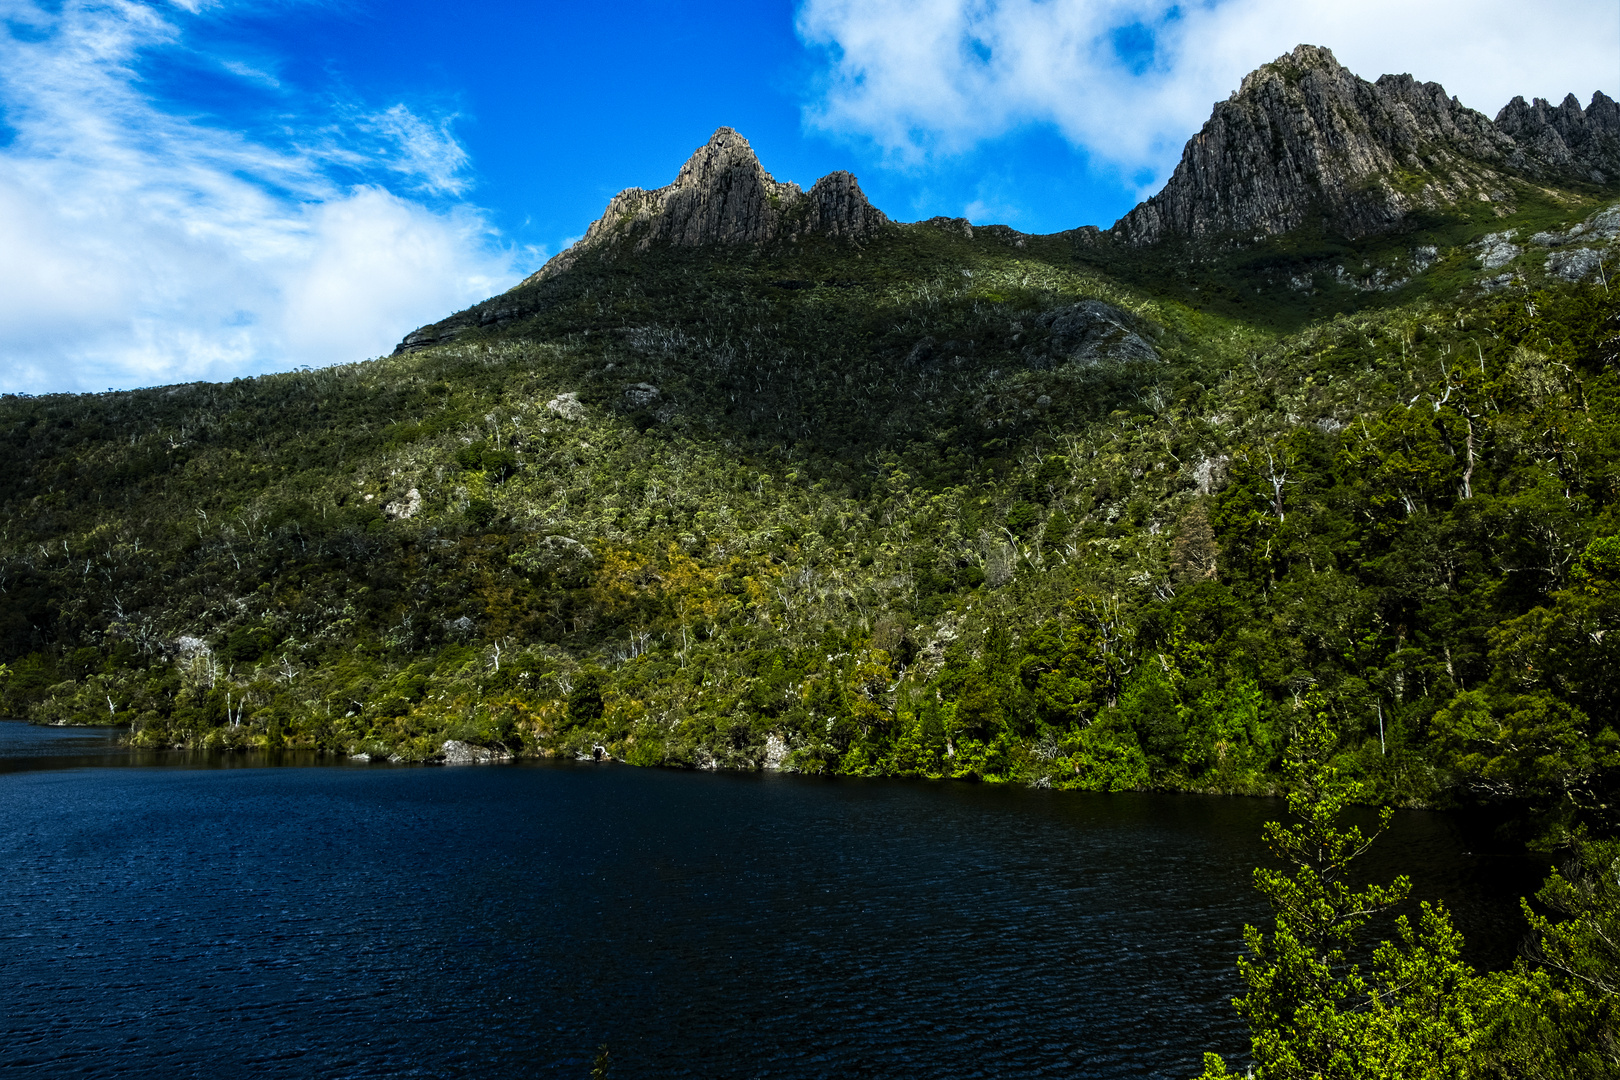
(169, 920)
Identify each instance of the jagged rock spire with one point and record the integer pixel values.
(1305, 143)
(1564, 139)
(723, 195)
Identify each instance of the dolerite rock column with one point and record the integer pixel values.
(838, 208)
(1564, 141)
(1297, 145)
(1304, 143)
(721, 196)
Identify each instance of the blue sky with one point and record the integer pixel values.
(560, 106)
(209, 188)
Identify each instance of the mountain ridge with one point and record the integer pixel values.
(946, 501)
(1305, 142)
(1302, 144)
(723, 195)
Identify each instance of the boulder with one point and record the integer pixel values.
(456, 752)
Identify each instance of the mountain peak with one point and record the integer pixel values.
(725, 151)
(1306, 143)
(723, 195)
(1292, 66)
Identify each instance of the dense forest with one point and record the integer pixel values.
(953, 503)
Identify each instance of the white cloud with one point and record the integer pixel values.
(925, 78)
(143, 247)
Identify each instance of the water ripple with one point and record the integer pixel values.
(358, 922)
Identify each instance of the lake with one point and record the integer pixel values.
(181, 915)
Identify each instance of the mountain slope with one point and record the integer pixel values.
(721, 196)
(755, 477)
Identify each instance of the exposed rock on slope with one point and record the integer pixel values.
(1564, 140)
(1304, 142)
(723, 195)
(1090, 331)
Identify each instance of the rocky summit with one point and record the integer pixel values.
(1306, 144)
(1303, 146)
(722, 195)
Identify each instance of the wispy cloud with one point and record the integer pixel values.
(142, 246)
(425, 153)
(1130, 80)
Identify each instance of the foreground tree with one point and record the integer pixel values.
(1313, 1012)
(1556, 1016)
(1417, 1012)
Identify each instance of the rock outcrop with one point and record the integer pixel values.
(723, 195)
(1305, 143)
(1089, 332)
(1564, 141)
(456, 752)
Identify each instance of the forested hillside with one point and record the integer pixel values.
(1303, 479)
(953, 502)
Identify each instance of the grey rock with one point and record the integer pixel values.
(1578, 264)
(1564, 141)
(1306, 143)
(456, 752)
(566, 406)
(956, 226)
(1604, 224)
(1379, 279)
(1091, 331)
(1496, 250)
(723, 195)
(839, 208)
(406, 508)
(641, 395)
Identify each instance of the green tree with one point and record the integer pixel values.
(1559, 1010)
(585, 704)
(1313, 1014)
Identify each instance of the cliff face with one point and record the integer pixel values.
(722, 195)
(1564, 140)
(1304, 142)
